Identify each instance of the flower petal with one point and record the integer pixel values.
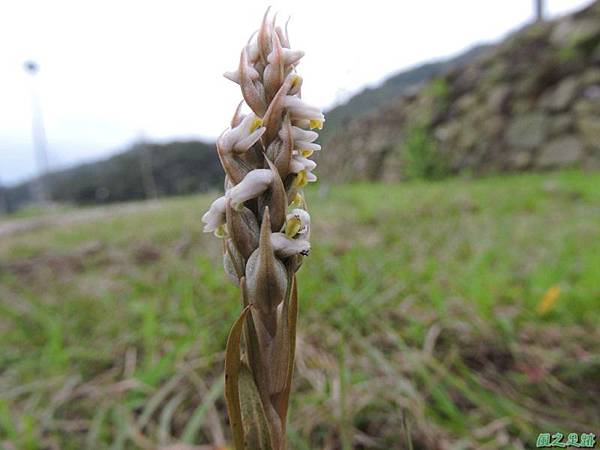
(304, 135)
(215, 216)
(300, 163)
(254, 183)
(301, 220)
(285, 247)
(300, 110)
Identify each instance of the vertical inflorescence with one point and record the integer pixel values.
(265, 227)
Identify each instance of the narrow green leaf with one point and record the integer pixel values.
(257, 434)
(232, 371)
(291, 307)
(258, 369)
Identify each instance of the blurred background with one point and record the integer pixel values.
(451, 300)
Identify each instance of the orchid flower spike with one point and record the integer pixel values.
(265, 226)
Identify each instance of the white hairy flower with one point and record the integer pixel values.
(300, 134)
(300, 163)
(284, 247)
(297, 223)
(243, 136)
(303, 141)
(305, 149)
(214, 218)
(301, 110)
(304, 177)
(254, 183)
(265, 156)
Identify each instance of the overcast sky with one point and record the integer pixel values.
(112, 70)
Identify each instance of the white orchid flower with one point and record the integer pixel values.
(254, 183)
(244, 136)
(303, 141)
(284, 247)
(300, 163)
(214, 218)
(304, 177)
(300, 134)
(302, 111)
(297, 223)
(305, 149)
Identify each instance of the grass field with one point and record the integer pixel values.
(463, 313)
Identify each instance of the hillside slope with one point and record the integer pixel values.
(393, 87)
(145, 170)
(532, 102)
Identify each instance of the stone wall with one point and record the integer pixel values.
(532, 102)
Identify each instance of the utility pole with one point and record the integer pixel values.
(539, 10)
(3, 200)
(41, 192)
(145, 159)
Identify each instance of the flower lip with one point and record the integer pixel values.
(300, 163)
(244, 135)
(297, 223)
(214, 218)
(306, 148)
(300, 134)
(285, 247)
(300, 110)
(254, 183)
(304, 177)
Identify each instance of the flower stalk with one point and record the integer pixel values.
(263, 221)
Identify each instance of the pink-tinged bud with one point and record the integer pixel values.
(274, 71)
(252, 90)
(263, 38)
